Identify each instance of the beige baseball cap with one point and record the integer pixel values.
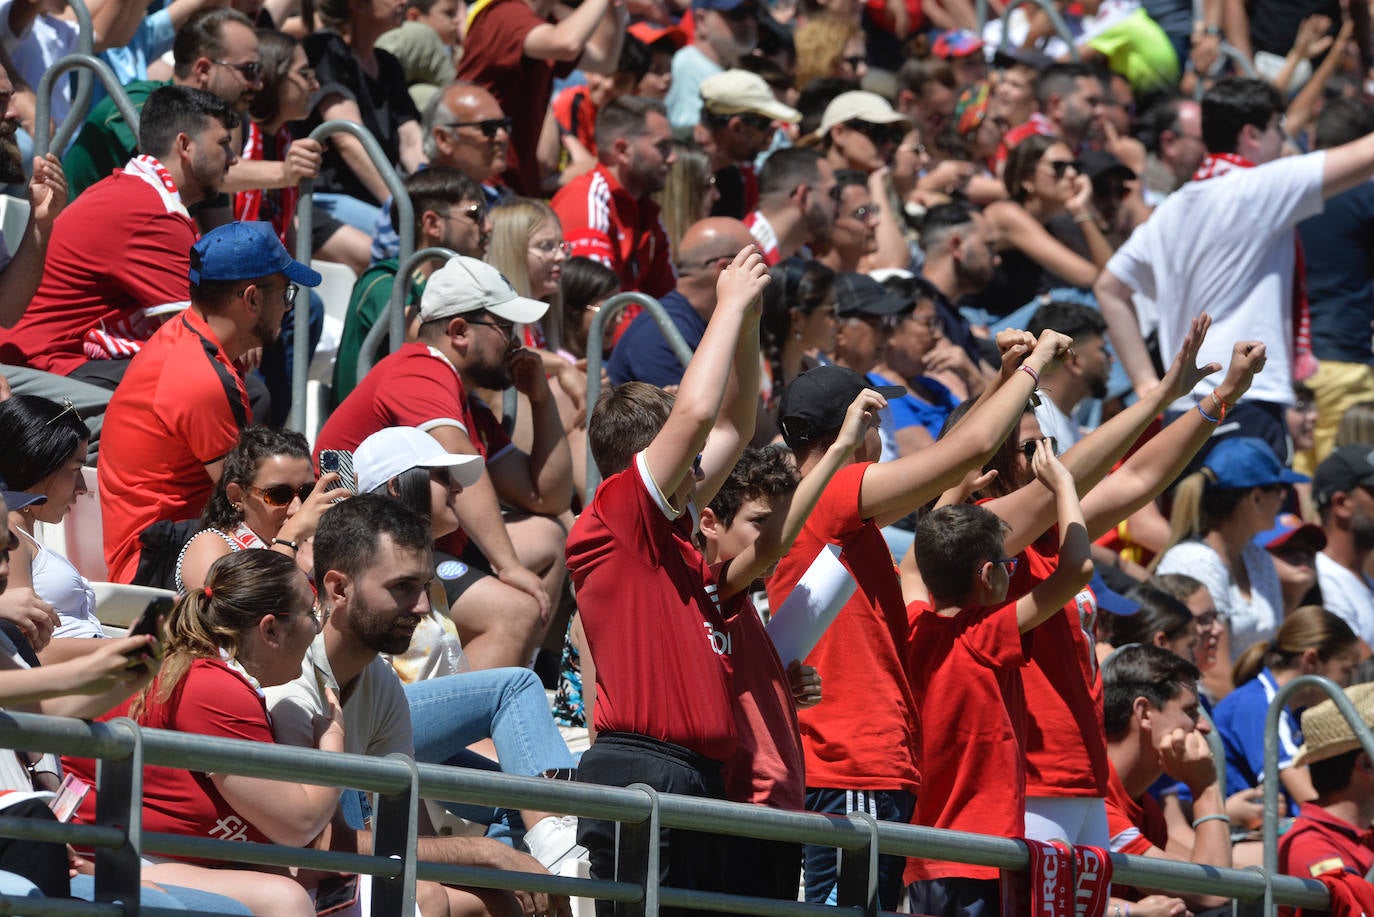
(465, 284)
(858, 105)
(737, 92)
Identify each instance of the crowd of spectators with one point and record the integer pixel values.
(1053, 330)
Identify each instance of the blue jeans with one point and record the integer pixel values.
(361, 215)
(172, 897)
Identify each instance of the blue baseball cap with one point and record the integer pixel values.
(242, 251)
(18, 499)
(1247, 461)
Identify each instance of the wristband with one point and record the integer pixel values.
(1222, 406)
(1083, 218)
(1206, 416)
(294, 546)
(1030, 372)
(1198, 821)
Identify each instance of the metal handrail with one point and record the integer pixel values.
(1271, 751)
(400, 289)
(610, 309)
(405, 219)
(1056, 20)
(42, 108)
(121, 743)
(81, 96)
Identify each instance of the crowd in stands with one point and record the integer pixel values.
(1056, 339)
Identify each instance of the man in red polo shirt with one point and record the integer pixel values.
(182, 402)
(607, 214)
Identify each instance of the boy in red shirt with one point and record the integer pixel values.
(655, 622)
(967, 647)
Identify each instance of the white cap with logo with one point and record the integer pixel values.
(395, 450)
(465, 285)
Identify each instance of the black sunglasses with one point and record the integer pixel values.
(490, 127)
(879, 133)
(1060, 166)
(283, 494)
(1028, 447)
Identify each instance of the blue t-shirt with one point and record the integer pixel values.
(1239, 719)
(643, 355)
(1338, 248)
(911, 410)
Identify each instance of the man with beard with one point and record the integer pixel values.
(607, 214)
(1072, 104)
(467, 340)
(118, 261)
(738, 115)
(796, 203)
(706, 250)
(182, 402)
(1343, 487)
(372, 567)
(216, 50)
(959, 262)
(1083, 374)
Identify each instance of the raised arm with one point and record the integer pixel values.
(1348, 165)
(1123, 328)
(1075, 563)
(1022, 230)
(566, 41)
(738, 415)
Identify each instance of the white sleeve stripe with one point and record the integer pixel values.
(655, 492)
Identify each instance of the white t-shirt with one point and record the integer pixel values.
(1054, 422)
(1250, 620)
(1226, 246)
(1348, 595)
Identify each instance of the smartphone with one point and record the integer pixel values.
(340, 461)
(150, 623)
(335, 894)
(68, 798)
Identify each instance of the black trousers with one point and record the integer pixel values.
(45, 865)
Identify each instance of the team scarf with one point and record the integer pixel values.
(248, 204)
(1304, 363)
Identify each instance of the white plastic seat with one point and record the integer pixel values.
(14, 219)
(118, 605)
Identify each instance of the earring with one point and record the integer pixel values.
(796, 335)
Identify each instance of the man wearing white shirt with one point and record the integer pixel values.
(1343, 490)
(1225, 243)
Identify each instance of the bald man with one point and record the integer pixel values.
(707, 248)
(465, 129)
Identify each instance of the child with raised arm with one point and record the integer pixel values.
(968, 644)
(650, 606)
(861, 744)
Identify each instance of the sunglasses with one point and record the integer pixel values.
(1061, 166)
(1028, 447)
(757, 122)
(490, 127)
(880, 134)
(251, 71)
(1008, 562)
(855, 62)
(283, 494)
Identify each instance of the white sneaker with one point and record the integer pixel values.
(553, 842)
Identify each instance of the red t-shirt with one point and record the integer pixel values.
(1319, 843)
(212, 700)
(1134, 826)
(604, 222)
(1066, 744)
(966, 678)
(118, 262)
(651, 614)
(576, 114)
(767, 767)
(865, 734)
(494, 58)
(179, 408)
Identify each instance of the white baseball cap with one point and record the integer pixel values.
(465, 284)
(389, 452)
(858, 105)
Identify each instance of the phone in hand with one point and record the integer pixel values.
(339, 461)
(335, 894)
(150, 623)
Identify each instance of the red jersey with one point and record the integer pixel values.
(1320, 843)
(653, 619)
(767, 767)
(966, 679)
(1134, 826)
(576, 114)
(1066, 744)
(494, 58)
(213, 700)
(604, 222)
(179, 407)
(117, 265)
(865, 735)
(763, 234)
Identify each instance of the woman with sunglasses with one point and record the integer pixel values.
(247, 629)
(267, 497)
(1048, 232)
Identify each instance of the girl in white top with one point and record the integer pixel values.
(1217, 513)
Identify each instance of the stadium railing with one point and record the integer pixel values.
(85, 63)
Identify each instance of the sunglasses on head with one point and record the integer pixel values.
(1028, 447)
(283, 494)
(1061, 166)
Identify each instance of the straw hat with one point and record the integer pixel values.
(1325, 732)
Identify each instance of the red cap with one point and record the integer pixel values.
(649, 33)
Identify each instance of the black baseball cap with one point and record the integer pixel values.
(860, 294)
(816, 401)
(1342, 471)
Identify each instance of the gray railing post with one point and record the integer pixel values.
(386, 322)
(119, 803)
(856, 884)
(981, 9)
(397, 822)
(405, 228)
(1056, 20)
(610, 309)
(637, 856)
(85, 87)
(1271, 752)
(42, 143)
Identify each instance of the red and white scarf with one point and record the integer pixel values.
(1304, 363)
(248, 204)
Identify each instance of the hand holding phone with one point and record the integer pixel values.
(339, 461)
(149, 623)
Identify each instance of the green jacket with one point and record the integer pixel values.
(370, 296)
(105, 142)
